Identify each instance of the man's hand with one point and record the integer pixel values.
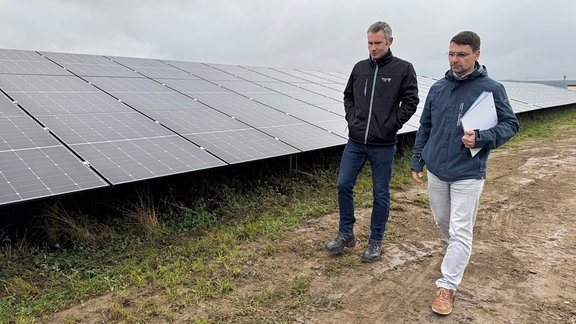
(469, 139)
(416, 176)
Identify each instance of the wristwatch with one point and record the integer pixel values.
(477, 132)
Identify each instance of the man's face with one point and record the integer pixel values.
(378, 45)
(462, 59)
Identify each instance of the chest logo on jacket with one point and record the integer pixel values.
(386, 80)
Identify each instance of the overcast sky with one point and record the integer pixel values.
(521, 39)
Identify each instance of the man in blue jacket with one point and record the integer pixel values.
(455, 177)
(380, 96)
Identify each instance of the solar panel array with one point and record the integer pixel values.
(73, 122)
(534, 96)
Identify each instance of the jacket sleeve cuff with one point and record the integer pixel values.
(417, 165)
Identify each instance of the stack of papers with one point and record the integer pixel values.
(481, 115)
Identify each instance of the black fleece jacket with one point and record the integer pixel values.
(379, 98)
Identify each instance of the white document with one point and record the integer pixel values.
(481, 115)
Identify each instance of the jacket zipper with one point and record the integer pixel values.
(371, 102)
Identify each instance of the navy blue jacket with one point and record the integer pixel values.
(379, 98)
(438, 142)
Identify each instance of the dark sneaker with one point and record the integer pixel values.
(372, 252)
(443, 301)
(340, 242)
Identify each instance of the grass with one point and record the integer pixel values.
(184, 243)
(545, 125)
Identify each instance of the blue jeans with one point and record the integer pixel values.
(354, 158)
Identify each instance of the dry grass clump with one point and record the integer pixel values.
(64, 226)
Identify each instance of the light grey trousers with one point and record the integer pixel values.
(454, 206)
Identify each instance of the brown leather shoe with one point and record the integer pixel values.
(442, 303)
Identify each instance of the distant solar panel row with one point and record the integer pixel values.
(72, 122)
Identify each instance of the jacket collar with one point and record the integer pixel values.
(479, 71)
(383, 60)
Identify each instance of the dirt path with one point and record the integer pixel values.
(523, 263)
(521, 271)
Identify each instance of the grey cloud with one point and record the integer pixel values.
(523, 40)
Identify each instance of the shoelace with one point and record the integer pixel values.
(342, 238)
(444, 295)
(372, 247)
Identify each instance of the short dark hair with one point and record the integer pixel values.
(380, 25)
(467, 38)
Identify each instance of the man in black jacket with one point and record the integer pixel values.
(381, 95)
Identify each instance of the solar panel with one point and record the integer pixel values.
(28, 67)
(33, 163)
(244, 109)
(241, 86)
(154, 69)
(338, 127)
(194, 86)
(73, 122)
(145, 158)
(282, 102)
(233, 98)
(252, 113)
(305, 77)
(305, 137)
(539, 95)
(300, 93)
(336, 86)
(283, 87)
(118, 142)
(203, 71)
(520, 106)
(272, 97)
(50, 103)
(228, 138)
(333, 77)
(323, 90)
(190, 66)
(27, 62)
(242, 73)
(242, 145)
(90, 65)
(45, 83)
(275, 74)
(129, 85)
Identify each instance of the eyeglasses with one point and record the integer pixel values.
(458, 54)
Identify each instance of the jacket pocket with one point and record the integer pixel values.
(392, 122)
